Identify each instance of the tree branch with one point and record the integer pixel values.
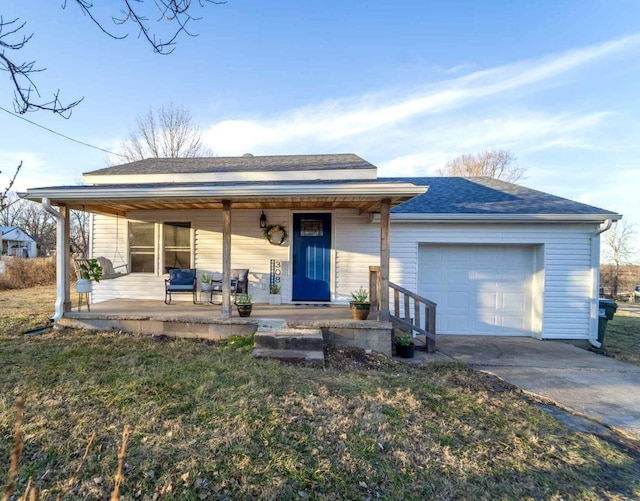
(20, 73)
(175, 13)
(8, 188)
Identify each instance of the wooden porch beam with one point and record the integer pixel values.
(385, 231)
(226, 259)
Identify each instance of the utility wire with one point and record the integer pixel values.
(60, 134)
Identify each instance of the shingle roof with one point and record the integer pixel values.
(234, 164)
(484, 195)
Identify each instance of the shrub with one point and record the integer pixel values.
(22, 273)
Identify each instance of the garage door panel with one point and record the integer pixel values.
(458, 322)
(483, 289)
(513, 301)
(486, 300)
(458, 300)
(457, 276)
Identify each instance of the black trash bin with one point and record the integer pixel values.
(607, 308)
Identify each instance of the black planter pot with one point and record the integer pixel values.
(244, 310)
(405, 351)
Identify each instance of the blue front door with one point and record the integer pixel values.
(311, 257)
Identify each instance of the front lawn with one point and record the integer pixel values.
(622, 337)
(208, 421)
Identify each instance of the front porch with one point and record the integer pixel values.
(205, 321)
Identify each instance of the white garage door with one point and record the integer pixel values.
(484, 290)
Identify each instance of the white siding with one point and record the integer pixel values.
(357, 246)
(563, 257)
(249, 250)
(565, 275)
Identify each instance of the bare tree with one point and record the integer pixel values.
(618, 250)
(167, 132)
(499, 164)
(79, 233)
(174, 15)
(10, 211)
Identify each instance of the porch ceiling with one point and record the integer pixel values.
(118, 200)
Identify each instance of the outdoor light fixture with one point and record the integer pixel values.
(263, 220)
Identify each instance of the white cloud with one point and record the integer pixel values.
(333, 123)
(414, 132)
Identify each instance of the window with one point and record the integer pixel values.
(142, 246)
(177, 245)
(168, 244)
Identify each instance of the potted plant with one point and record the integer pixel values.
(404, 345)
(89, 271)
(205, 280)
(275, 234)
(359, 306)
(244, 305)
(274, 294)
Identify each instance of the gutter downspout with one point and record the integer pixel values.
(61, 255)
(595, 266)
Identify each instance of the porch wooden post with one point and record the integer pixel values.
(385, 230)
(226, 259)
(65, 212)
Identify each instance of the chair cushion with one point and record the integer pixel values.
(182, 277)
(179, 288)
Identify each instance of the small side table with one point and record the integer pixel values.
(86, 298)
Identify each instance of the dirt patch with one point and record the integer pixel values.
(346, 357)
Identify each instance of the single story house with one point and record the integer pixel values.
(497, 258)
(17, 242)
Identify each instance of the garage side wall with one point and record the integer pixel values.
(562, 266)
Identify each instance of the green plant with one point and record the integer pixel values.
(360, 296)
(206, 278)
(91, 270)
(244, 299)
(404, 338)
(274, 289)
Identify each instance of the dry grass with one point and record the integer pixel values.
(21, 273)
(207, 421)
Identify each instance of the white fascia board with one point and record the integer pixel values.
(233, 177)
(365, 190)
(498, 218)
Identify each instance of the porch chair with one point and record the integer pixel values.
(180, 282)
(239, 284)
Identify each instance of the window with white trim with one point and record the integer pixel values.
(177, 245)
(157, 247)
(142, 248)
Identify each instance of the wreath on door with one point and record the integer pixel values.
(275, 234)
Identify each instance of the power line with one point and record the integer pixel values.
(60, 134)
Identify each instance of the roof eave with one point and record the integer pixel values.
(243, 191)
(365, 196)
(400, 217)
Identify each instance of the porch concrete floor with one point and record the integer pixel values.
(204, 320)
(177, 310)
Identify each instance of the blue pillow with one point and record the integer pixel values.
(182, 277)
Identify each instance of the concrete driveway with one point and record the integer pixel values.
(594, 386)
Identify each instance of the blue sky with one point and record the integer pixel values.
(406, 85)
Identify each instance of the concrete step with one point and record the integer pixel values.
(277, 340)
(289, 339)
